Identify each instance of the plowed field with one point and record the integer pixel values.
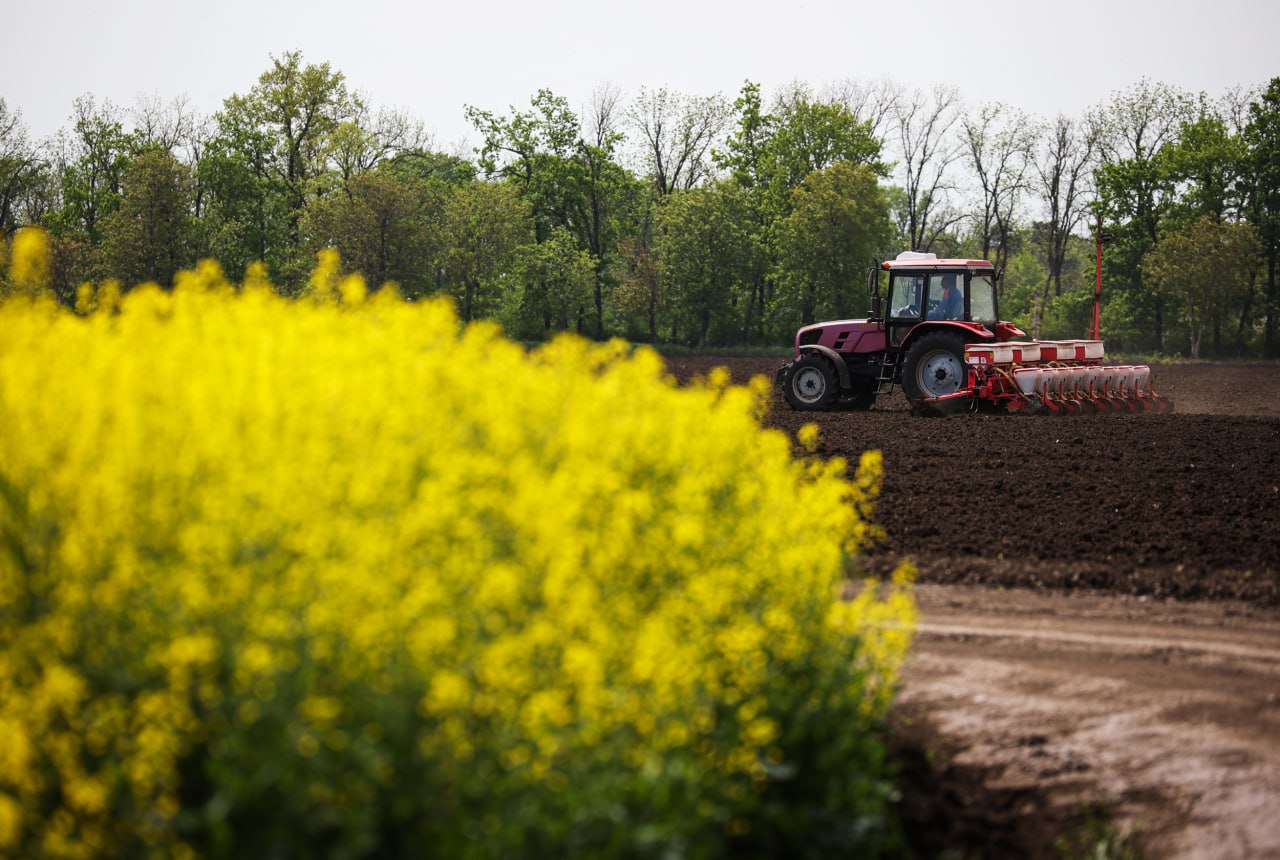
(1101, 614)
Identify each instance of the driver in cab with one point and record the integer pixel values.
(950, 304)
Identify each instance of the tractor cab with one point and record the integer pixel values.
(924, 289)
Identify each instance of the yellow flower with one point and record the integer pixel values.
(449, 690)
(30, 264)
(354, 533)
(10, 821)
(808, 436)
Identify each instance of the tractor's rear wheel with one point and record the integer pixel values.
(934, 367)
(811, 385)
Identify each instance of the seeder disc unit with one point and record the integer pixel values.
(1062, 377)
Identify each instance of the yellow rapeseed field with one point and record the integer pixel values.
(338, 576)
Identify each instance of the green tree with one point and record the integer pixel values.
(555, 279)
(872, 102)
(1205, 268)
(746, 159)
(1262, 137)
(745, 153)
(1064, 170)
(641, 294)
(245, 209)
(39, 194)
(300, 107)
(810, 135)
(609, 198)
(437, 168)
(569, 175)
(839, 220)
(1137, 190)
(483, 225)
(367, 139)
(385, 225)
(149, 237)
(774, 153)
(98, 152)
(20, 164)
(532, 150)
(272, 146)
(709, 253)
(1209, 163)
(771, 154)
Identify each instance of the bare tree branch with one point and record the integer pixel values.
(678, 133)
(928, 149)
(998, 145)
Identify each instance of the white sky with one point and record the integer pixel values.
(431, 59)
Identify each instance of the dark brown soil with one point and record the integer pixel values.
(1182, 505)
(1100, 600)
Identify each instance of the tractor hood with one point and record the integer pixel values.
(860, 335)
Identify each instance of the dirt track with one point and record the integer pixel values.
(1101, 614)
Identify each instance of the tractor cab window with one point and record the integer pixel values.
(982, 299)
(946, 297)
(904, 296)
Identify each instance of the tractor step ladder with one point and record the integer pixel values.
(887, 371)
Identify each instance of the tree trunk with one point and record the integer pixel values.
(599, 297)
(1238, 352)
(1269, 331)
(807, 306)
(1038, 302)
(382, 256)
(653, 312)
(763, 284)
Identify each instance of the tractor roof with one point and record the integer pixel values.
(931, 261)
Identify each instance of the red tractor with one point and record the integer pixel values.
(938, 334)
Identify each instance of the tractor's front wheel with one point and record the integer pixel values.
(934, 367)
(811, 384)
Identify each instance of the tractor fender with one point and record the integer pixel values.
(968, 330)
(842, 369)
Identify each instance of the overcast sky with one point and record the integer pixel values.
(432, 59)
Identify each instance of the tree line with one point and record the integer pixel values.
(673, 218)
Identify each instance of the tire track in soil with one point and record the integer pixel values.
(1166, 713)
